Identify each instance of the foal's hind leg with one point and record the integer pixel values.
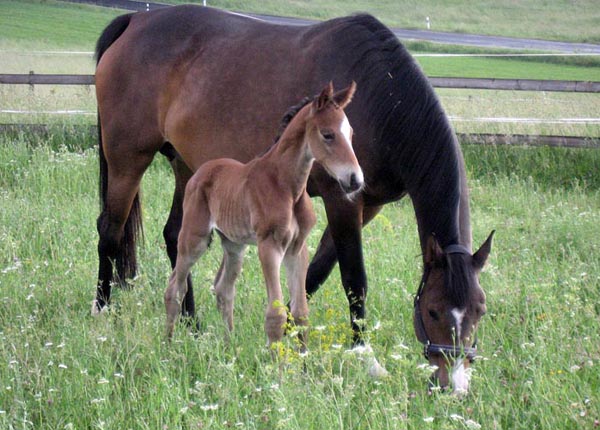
(233, 257)
(193, 241)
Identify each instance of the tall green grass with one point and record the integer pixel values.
(63, 369)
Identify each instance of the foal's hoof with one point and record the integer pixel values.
(97, 310)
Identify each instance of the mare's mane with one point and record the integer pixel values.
(412, 136)
(413, 139)
(457, 279)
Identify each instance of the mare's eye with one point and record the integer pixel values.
(433, 314)
(328, 136)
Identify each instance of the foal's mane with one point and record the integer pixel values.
(289, 116)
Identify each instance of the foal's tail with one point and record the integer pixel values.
(125, 258)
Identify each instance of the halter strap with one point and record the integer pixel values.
(457, 249)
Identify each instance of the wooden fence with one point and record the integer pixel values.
(465, 83)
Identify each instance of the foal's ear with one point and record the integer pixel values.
(344, 97)
(481, 256)
(325, 96)
(433, 251)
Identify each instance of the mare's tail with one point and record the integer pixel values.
(125, 258)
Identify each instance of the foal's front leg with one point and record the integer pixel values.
(270, 253)
(296, 265)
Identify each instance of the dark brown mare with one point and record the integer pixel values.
(185, 81)
(264, 202)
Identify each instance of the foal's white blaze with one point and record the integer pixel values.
(345, 171)
(346, 130)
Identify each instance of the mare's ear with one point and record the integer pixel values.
(325, 96)
(433, 251)
(480, 257)
(344, 97)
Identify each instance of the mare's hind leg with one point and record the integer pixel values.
(296, 264)
(173, 225)
(231, 266)
(193, 241)
(116, 224)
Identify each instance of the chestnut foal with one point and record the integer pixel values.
(264, 202)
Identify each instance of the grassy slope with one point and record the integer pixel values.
(63, 369)
(52, 25)
(540, 19)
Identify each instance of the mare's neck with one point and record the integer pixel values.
(442, 205)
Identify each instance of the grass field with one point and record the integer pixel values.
(62, 369)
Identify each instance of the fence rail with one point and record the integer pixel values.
(438, 82)
(47, 130)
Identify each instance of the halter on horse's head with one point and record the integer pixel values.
(447, 308)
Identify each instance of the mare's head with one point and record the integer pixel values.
(329, 136)
(447, 309)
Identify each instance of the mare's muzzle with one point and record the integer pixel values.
(432, 349)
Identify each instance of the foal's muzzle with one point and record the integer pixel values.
(353, 183)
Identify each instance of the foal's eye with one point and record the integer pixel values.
(328, 136)
(433, 314)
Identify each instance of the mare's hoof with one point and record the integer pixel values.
(374, 369)
(97, 310)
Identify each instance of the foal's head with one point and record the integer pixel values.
(329, 135)
(448, 307)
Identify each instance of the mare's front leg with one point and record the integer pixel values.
(342, 240)
(173, 226)
(231, 266)
(345, 225)
(193, 241)
(270, 254)
(326, 256)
